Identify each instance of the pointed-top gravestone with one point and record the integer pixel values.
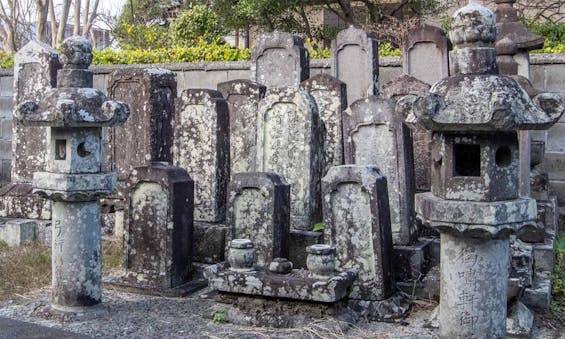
(243, 98)
(330, 95)
(35, 71)
(289, 143)
(426, 54)
(280, 60)
(355, 62)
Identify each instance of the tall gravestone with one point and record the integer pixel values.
(426, 54)
(35, 71)
(375, 135)
(279, 60)
(289, 143)
(148, 135)
(243, 98)
(159, 227)
(426, 58)
(396, 89)
(355, 62)
(330, 95)
(259, 210)
(201, 147)
(357, 224)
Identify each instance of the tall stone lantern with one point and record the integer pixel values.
(474, 202)
(75, 113)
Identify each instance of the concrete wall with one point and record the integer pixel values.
(547, 73)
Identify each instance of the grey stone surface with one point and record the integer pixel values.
(18, 232)
(355, 61)
(147, 136)
(357, 221)
(243, 98)
(259, 210)
(35, 71)
(201, 147)
(426, 53)
(15, 329)
(210, 242)
(289, 142)
(412, 262)
(473, 287)
(296, 285)
(330, 95)
(159, 227)
(375, 135)
(299, 241)
(279, 59)
(538, 296)
(544, 255)
(521, 262)
(520, 321)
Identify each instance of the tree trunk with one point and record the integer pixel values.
(76, 28)
(90, 21)
(41, 7)
(63, 21)
(53, 23)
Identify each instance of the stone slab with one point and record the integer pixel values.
(412, 262)
(538, 296)
(295, 285)
(209, 242)
(17, 201)
(18, 232)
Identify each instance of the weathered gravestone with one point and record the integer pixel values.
(259, 210)
(159, 227)
(425, 58)
(279, 60)
(35, 71)
(421, 139)
(243, 98)
(355, 62)
(147, 136)
(357, 224)
(375, 135)
(201, 147)
(330, 95)
(75, 113)
(426, 54)
(289, 143)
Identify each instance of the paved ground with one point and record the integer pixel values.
(15, 329)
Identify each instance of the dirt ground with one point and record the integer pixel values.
(127, 315)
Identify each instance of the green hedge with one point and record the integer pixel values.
(554, 37)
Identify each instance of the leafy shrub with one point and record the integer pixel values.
(197, 23)
(6, 60)
(142, 36)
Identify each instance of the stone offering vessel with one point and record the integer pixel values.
(474, 202)
(75, 113)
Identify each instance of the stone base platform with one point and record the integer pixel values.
(272, 312)
(295, 285)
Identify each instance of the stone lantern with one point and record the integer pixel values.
(75, 113)
(474, 202)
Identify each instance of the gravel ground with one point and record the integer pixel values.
(127, 315)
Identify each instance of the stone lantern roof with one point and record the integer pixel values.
(74, 103)
(508, 26)
(475, 97)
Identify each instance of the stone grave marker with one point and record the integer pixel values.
(35, 71)
(289, 143)
(355, 61)
(422, 139)
(259, 210)
(243, 98)
(148, 135)
(279, 60)
(201, 147)
(426, 54)
(357, 222)
(159, 224)
(375, 134)
(330, 95)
